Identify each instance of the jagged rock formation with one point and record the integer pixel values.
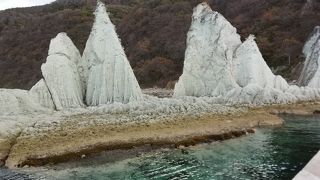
(103, 74)
(258, 83)
(61, 73)
(109, 76)
(211, 44)
(149, 32)
(310, 75)
(61, 88)
(218, 64)
(250, 68)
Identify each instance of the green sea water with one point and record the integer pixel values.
(276, 153)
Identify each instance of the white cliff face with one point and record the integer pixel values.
(211, 44)
(218, 64)
(40, 93)
(109, 78)
(61, 73)
(310, 75)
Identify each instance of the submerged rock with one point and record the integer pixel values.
(109, 77)
(61, 73)
(310, 75)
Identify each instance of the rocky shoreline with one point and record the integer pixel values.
(90, 104)
(70, 141)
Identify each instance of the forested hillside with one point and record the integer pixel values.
(153, 33)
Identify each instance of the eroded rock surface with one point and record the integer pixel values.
(61, 73)
(211, 44)
(110, 76)
(310, 75)
(218, 64)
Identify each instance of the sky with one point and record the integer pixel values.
(7, 4)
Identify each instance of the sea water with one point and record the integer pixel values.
(271, 153)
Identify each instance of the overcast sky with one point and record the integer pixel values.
(6, 4)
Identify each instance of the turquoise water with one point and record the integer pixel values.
(277, 153)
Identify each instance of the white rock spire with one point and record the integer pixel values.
(310, 75)
(250, 67)
(217, 64)
(109, 76)
(211, 44)
(61, 73)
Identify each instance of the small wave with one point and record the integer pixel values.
(6, 174)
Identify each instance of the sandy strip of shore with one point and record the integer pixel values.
(71, 141)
